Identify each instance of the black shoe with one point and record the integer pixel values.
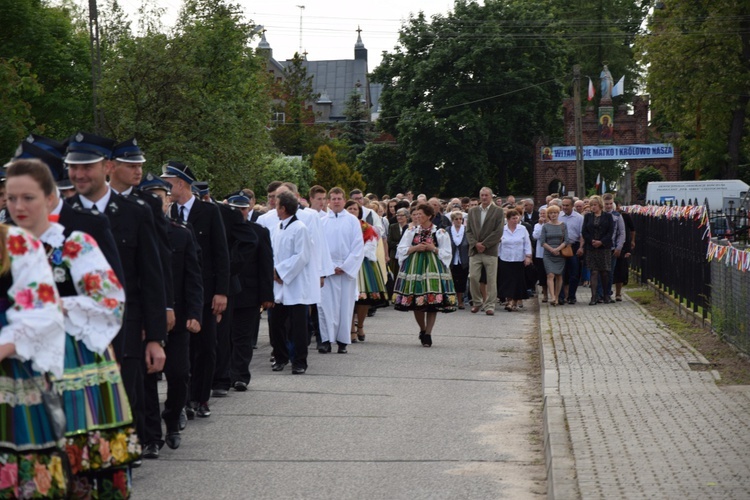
(151, 450)
(421, 337)
(136, 463)
(190, 410)
(427, 340)
(173, 439)
(240, 386)
(593, 302)
(203, 410)
(272, 360)
(298, 370)
(572, 301)
(277, 367)
(324, 347)
(219, 393)
(342, 348)
(182, 422)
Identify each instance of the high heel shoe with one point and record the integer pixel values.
(553, 303)
(421, 336)
(427, 340)
(360, 334)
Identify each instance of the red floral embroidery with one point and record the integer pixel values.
(89, 239)
(25, 299)
(120, 482)
(111, 303)
(17, 245)
(46, 293)
(92, 283)
(112, 277)
(71, 249)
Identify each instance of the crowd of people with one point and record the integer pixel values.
(112, 280)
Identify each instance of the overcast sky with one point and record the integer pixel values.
(328, 26)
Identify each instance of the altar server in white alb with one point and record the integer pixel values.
(343, 233)
(296, 286)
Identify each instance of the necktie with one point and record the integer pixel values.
(182, 213)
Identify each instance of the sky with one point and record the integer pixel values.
(328, 26)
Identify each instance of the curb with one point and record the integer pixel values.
(558, 453)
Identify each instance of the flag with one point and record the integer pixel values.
(591, 90)
(604, 186)
(619, 88)
(598, 182)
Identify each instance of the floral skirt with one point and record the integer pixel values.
(424, 284)
(100, 439)
(31, 461)
(371, 285)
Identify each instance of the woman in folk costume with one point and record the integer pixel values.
(32, 345)
(424, 284)
(100, 435)
(370, 281)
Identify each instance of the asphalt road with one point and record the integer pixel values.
(388, 420)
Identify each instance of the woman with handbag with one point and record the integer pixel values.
(32, 345)
(598, 229)
(100, 438)
(553, 238)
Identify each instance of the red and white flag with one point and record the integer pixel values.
(598, 182)
(591, 90)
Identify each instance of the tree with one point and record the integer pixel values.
(198, 95)
(383, 168)
(17, 85)
(53, 42)
(297, 134)
(329, 172)
(698, 59)
(466, 94)
(285, 168)
(646, 175)
(356, 128)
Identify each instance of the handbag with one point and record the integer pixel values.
(53, 405)
(567, 251)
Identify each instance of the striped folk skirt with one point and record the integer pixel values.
(424, 284)
(371, 285)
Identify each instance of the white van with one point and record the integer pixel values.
(718, 193)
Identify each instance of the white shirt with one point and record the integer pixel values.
(457, 239)
(516, 245)
(445, 252)
(188, 207)
(343, 233)
(537, 233)
(483, 214)
(101, 203)
(291, 254)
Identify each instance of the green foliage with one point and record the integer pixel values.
(298, 135)
(286, 168)
(50, 45)
(383, 168)
(698, 56)
(329, 172)
(646, 175)
(466, 94)
(356, 129)
(198, 95)
(17, 84)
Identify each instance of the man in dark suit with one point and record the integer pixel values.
(256, 279)
(209, 232)
(124, 177)
(144, 331)
(530, 214)
(252, 214)
(188, 307)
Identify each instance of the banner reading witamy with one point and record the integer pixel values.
(613, 152)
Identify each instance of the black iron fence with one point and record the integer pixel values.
(670, 251)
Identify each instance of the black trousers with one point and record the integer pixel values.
(177, 372)
(224, 347)
(132, 370)
(245, 327)
(203, 357)
(289, 326)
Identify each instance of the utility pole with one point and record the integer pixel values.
(96, 62)
(301, 9)
(578, 127)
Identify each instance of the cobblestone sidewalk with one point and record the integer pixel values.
(620, 393)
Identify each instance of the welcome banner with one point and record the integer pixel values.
(609, 152)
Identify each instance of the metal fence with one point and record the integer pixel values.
(730, 302)
(671, 253)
